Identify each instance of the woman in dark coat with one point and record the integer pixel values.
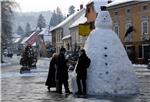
(81, 70)
(50, 82)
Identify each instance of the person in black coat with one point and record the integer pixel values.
(81, 70)
(50, 82)
(62, 72)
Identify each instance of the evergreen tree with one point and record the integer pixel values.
(28, 28)
(71, 10)
(56, 18)
(41, 22)
(20, 31)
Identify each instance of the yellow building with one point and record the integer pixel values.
(137, 14)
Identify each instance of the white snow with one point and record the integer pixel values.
(81, 20)
(46, 34)
(117, 2)
(139, 65)
(66, 37)
(66, 20)
(110, 72)
(16, 40)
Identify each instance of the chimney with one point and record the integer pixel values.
(81, 6)
(109, 1)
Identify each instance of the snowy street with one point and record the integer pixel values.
(30, 87)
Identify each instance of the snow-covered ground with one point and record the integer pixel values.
(139, 65)
(8, 61)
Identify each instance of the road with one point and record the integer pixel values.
(30, 87)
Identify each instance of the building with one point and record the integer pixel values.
(136, 14)
(76, 39)
(15, 40)
(35, 41)
(92, 9)
(61, 33)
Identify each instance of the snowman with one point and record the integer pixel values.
(111, 72)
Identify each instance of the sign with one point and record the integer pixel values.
(84, 29)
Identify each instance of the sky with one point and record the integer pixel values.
(45, 5)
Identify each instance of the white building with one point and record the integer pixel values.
(61, 33)
(77, 40)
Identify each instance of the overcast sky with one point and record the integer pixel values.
(45, 5)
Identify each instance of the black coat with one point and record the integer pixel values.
(51, 74)
(62, 69)
(81, 69)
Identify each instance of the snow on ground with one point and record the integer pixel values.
(34, 72)
(7, 61)
(139, 66)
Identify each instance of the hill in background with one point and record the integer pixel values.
(29, 17)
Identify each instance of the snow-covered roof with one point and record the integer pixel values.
(15, 35)
(117, 2)
(81, 20)
(27, 38)
(44, 31)
(66, 20)
(16, 40)
(98, 4)
(34, 44)
(66, 37)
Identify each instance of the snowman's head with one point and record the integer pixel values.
(103, 20)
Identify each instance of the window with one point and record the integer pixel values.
(128, 11)
(116, 29)
(145, 8)
(88, 10)
(145, 27)
(116, 13)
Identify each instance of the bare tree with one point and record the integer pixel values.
(71, 10)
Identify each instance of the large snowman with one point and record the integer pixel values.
(111, 72)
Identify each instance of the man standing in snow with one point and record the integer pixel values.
(62, 72)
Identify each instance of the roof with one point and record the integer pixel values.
(44, 31)
(15, 35)
(27, 38)
(16, 40)
(66, 20)
(118, 2)
(81, 20)
(66, 37)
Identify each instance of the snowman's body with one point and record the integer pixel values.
(111, 72)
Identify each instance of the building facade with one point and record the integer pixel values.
(61, 33)
(136, 14)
